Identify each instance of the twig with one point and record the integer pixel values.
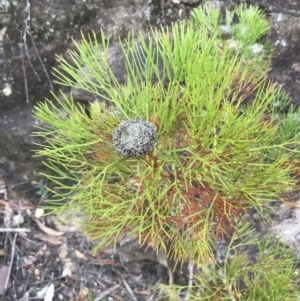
(24, 52)
(107, 292)
(5, 230)
(23, 43)
(113, 295)
(41, 62)
(24, 39)
(11, 261)
(171, 274)
(130, 291)
(191, 280)
(13, 248)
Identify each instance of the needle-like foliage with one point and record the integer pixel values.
(218, 149)
(252, 269)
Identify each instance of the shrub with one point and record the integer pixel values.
(180, 154)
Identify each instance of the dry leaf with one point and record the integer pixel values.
(144, 293)
(50, 293)
(68, 264)
(40, 294)
(49, 240)
(42, 250)
(48, 230)
(26, 296)
(66, 272)
(79, 255)
(23, 233)
(84, 293)
(63, 251)
(37, 274)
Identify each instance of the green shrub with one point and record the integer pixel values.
(181, 153)
(241, 276)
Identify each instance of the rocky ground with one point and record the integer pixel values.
(44, 257)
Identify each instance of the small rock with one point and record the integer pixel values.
(38, 212)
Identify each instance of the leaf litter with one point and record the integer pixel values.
(44, 259)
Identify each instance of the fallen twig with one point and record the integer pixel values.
(171, 274)
(5, 230)
(107, 292)
(191, 280)
(130, 291)
(13, 247)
